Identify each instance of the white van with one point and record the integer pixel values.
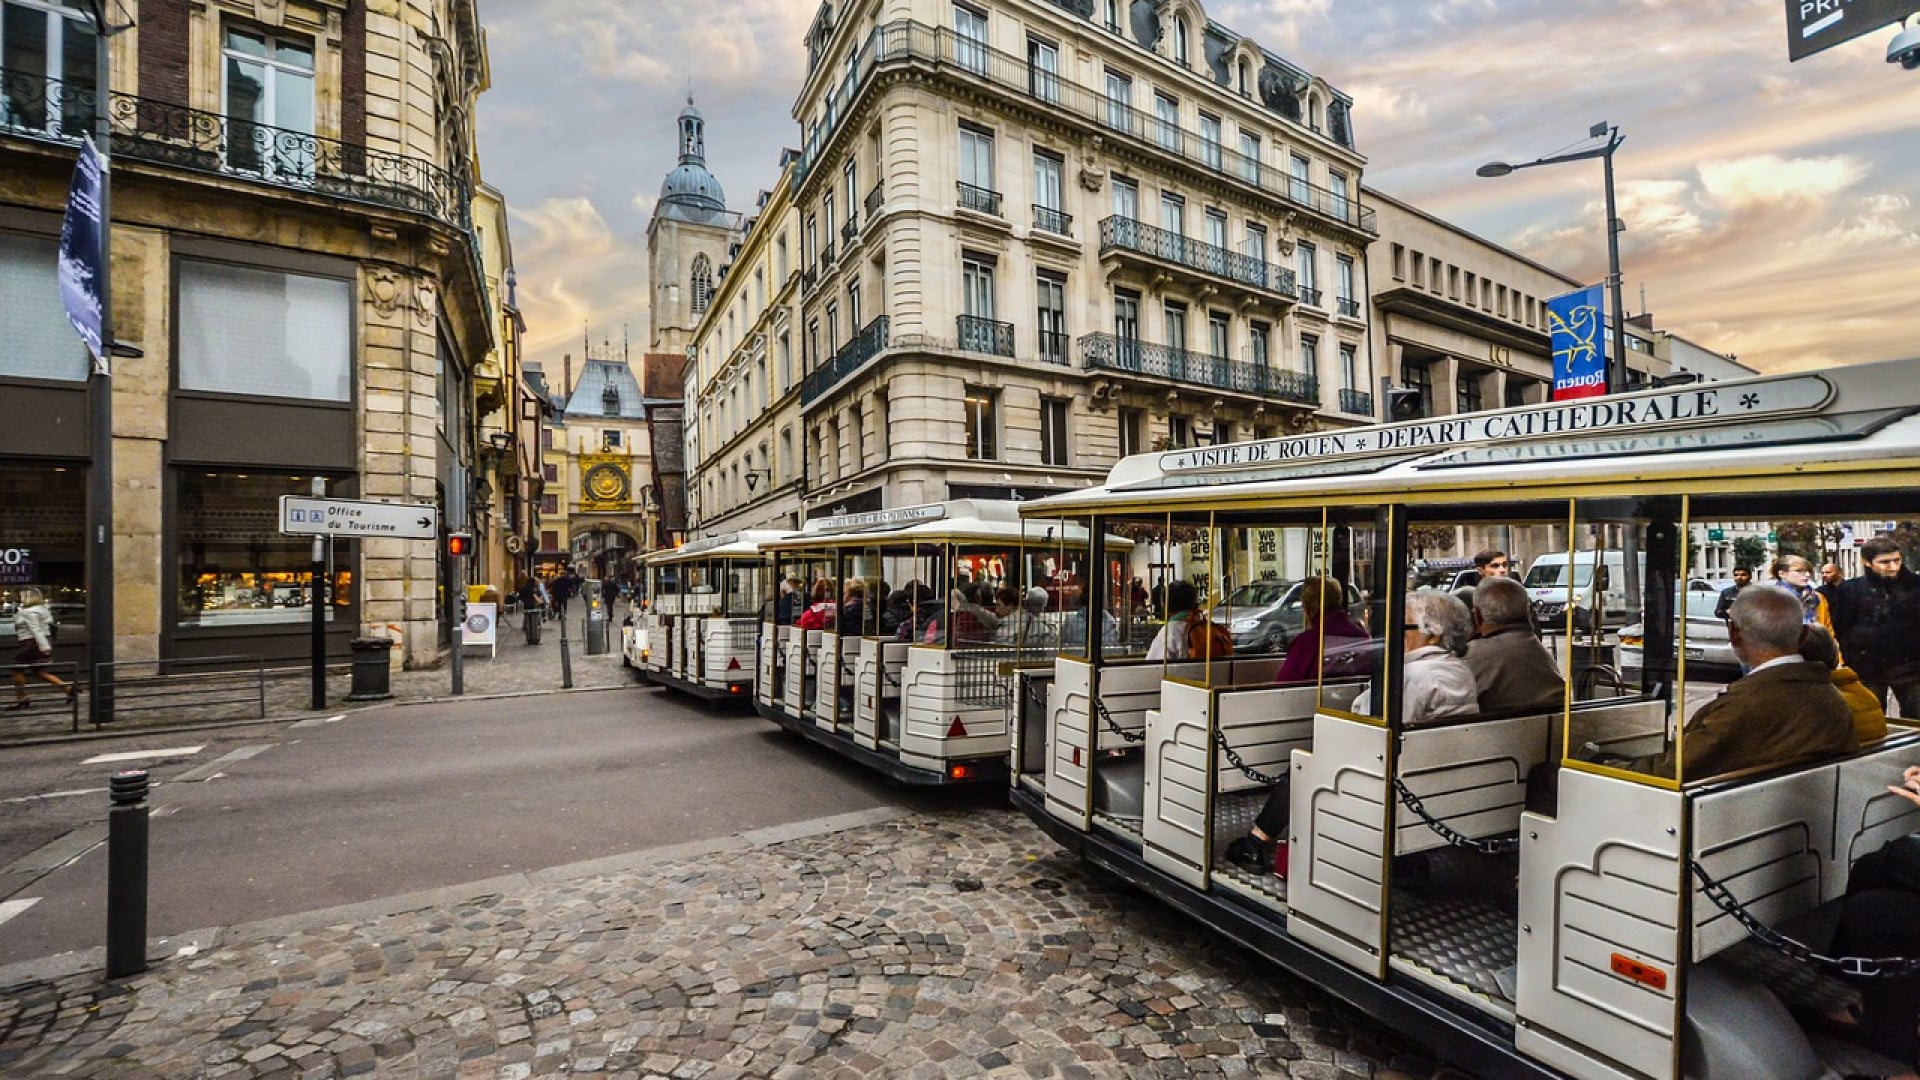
(1546, 584)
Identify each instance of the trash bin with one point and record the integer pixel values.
(370, 671)
(596, 632)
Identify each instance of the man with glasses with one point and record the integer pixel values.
(1878, 623)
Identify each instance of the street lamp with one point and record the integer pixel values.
(1617, 357)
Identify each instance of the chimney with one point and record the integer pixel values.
(566, 375)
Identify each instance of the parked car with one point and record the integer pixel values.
(1263, 616)
(1445, 575)
(1709, 651)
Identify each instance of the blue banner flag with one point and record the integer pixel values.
(80, 249)
(1577, 334)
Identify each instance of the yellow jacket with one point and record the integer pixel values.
(1869, 719)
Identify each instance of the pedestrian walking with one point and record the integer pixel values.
(530, 604)
(563, 589)
(1878, 624)
(33, 625)
(1829, 587)
(1742, 577)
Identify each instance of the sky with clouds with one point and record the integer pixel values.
(1772, 210)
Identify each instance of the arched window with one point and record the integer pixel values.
(1180, 44)
(702, 284)
(1246, 78)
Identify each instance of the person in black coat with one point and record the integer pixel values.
(1878, 624)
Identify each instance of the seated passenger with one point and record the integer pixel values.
(974, 620)
(1783, 710)
(1437, 684)
(1869, 719)
(1171, 642)
(853, 610)
(1327, 630)
(1073, 630)
(1511, 669)
(819, 614)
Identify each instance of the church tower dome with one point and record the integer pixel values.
(690, 193)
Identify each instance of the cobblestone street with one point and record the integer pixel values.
(949, 945)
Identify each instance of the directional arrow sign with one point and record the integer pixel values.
(1817, 25)
(304, 516)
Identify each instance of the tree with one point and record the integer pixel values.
(1422, 537)
(1749, 552)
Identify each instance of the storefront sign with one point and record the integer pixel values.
(16, 566)
(1698, 404)
(906, 515)
(480, 627)
(304, 516)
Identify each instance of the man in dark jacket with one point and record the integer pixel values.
(563, 589)
(1784, 710)
(1742, 577)
(1878, 623)
(1511, 669)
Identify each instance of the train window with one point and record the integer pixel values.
(1136, 578)
(1354, 560)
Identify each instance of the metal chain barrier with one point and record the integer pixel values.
(1861, 967)
(1246, 770)
(1114, 725)
(1451, 835)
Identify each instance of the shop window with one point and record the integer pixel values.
(235, 567)
(264, 332)
(42, 530)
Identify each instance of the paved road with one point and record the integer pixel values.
(398, 800)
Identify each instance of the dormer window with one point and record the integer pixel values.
(610, 401)
(1246, 79)
(1182, 46)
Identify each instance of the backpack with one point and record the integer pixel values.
(1206, 639)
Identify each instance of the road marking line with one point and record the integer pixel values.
(217, 766)
(10, 908)
(54, 795)
(139, 755)
(317, 721)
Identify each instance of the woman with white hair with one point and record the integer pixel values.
(1436, 683)
(33, 625)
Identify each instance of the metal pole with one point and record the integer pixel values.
(100, 572)
(319, 490)
(459, 600)
(1617, 359)
(566, 657)
(127, 875)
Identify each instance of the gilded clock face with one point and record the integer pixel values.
(606, 483)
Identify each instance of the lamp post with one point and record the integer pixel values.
(1617, 357)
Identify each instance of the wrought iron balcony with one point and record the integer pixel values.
(1126, 234)
(1048, 219)
(852, 356)
(905, 43)
(850, 232)
(979, 200)
(1349, 307)
(985, 336)
(876, 199)
(175, 136)
(826, 254)
(1356, 402)
(1053, 347)
(1310, 297)
(809, 278)
(1110, 353)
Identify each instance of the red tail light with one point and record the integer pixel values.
(960, 772)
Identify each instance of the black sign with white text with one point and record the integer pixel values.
(1817, 25)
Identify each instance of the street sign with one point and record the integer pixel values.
(302, 515)
(1716, 534)
(1817, 25)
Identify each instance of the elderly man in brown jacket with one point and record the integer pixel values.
(1784, 710)
(1510, 666)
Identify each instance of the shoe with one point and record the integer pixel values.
(73, 691)
(1250, 852)
(18, 706)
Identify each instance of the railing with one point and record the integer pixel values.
(809, 278)
(850, 232)
(1053, 347)
(852, 356)
(826, 253)
(173, 135)
(985, 336)
(899, 44)
(192, 687)
(1356, 402)
(1127, 234)
(876, 199)
(1048, 219)
(978, 199)
(1111, 353)
(1310, 297)
(1349, 307)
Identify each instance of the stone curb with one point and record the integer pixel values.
(196, 942)
(349, 710)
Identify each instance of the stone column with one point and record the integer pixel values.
(141, 278)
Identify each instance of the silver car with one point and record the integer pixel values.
(1264, 616)
(1709, 650)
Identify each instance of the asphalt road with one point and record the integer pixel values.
(273, 820)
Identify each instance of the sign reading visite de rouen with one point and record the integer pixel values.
(1697, 404)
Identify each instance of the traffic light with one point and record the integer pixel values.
(459, 544)
(1403, 404)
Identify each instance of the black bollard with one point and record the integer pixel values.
(566, 657)
(127, 875)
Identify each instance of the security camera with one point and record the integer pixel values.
(1904, 49)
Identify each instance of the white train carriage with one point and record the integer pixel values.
(699, 634)
(1533, 891)
(892, 634)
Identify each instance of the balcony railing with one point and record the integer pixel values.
(900, 44)
(1349, 307)
(850, 232)
(852, 356)
(979, 200)
(1127, 234)
(1053, 347)
(876, 199)
(809, 278)
(985, 336)
(1310, 297)
(826, 253)
(1048, 219)
(175, 136)
(1111, 353)
(1356, 402)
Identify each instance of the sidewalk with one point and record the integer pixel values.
(887, 943)
(517, 668)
